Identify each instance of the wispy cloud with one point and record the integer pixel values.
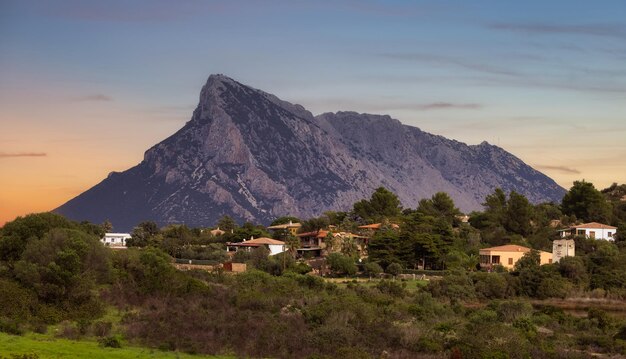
(98, 97)
(562, 169)
(604, 30)
(449, 105)
(23, 154)
(454, 61)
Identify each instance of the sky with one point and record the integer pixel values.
(87, 86)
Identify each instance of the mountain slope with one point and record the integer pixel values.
(250, 155)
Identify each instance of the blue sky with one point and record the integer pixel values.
(86, 87)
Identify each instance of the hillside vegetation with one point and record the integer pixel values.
(57, 279)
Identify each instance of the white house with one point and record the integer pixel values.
(592, 230)
(117, 240)
(274, 246)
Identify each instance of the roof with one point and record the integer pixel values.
(318, 234)
(377, 226)
(507, 248)
(217, 232)
(594, 225)
(285, 226)
(257, 242)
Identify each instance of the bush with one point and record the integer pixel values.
(101, 328)
(341, 265)
(68, 330)
(393, 288)
(10, 326)
(110, 342)
(372, 268)
(456, 287)
(490, 285)
(394, 269)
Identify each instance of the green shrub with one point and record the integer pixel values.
(372, 268)
(393, 288)
(11, 326)
(394, 269)
(110, 342)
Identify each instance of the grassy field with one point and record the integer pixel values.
(46, 346)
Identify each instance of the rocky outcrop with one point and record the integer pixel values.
(250, 155)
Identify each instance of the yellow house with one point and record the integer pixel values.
(291, 228)
(508, 255)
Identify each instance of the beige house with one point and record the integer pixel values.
(290, 228)
(508, 255)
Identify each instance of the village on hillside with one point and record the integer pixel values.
(435, 236)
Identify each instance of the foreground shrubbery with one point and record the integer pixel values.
(55, 272)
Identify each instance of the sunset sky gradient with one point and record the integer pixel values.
(87, 87)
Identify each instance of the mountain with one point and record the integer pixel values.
(250, 155)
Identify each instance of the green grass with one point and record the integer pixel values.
(46, 346)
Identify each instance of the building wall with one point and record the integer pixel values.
(599, 233)
(115, 239)
(508, 259)
(276, 248)
(563, 248)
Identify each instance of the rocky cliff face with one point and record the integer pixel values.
(250, 155)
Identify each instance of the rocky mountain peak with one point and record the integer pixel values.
(253, 156)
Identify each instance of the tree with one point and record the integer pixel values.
(495, 207)
(394, 269)
(285, 220)
(382, 204)
(341, 265)
(518, 214)
(227, 223)
(293, 243)
(587, 203)
(440, 205)
(372, 268)
(64, 266)
(107, 226)
(143, 234)
(529, 260)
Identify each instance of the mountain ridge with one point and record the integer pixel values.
(251, 155)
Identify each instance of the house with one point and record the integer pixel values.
(273, 245)
(593, 230)
(115, 240)
(376, 226)
(508, 255)
(287, 228)
(563, 248)
(216, 232)
(312, 243)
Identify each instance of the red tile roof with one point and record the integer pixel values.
(594, 225)
(257, 242)
(377, 226)
(507, 248)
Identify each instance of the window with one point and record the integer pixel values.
(495, 259)
(580, 232)
(550, 261)
(609, 234)
(592, 234)
(510, 261)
